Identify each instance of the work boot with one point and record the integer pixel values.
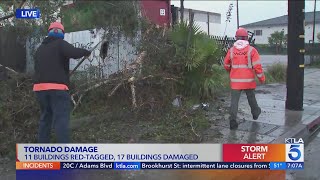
(233, 124)
(257, 114)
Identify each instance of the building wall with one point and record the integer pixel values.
(268, 30)
(201, 19)
(158, 12)
(121, 52)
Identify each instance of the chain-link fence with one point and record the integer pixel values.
(227, 42)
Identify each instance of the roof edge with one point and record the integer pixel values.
(251, 24)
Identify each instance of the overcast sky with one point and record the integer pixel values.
(249, 11)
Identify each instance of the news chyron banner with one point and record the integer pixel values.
(33, 159)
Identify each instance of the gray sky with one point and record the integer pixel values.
(249, 11)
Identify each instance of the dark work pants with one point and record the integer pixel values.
(55, 109)
(235, 96)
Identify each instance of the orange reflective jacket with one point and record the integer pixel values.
(243, 64)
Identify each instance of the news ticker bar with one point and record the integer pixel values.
(160, 152)
(159, 165)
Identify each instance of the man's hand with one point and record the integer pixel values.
(88, 54)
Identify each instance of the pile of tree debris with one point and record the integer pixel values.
(17, 109)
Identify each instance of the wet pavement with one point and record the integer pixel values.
(283, 59)
(274, 120)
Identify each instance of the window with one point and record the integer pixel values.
(258, 32)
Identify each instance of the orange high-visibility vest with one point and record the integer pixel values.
(49, 86)
(243, 65)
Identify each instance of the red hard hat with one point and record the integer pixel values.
(56, 25)
(242, 32)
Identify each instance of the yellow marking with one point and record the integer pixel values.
(301, 36)
(301, 65)
(302, 51)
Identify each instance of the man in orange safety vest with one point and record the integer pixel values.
(243, 63)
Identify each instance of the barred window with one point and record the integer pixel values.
(258, 32)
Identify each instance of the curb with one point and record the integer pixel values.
(304, 131)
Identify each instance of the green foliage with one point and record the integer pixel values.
(277, 72)
(198, 55)
(32, 27)
(120, 15)
(269, 78)
(277, 40)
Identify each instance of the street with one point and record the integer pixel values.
(268, 60)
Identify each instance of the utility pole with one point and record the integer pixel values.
(181, 11)
(314, 21)
(295, 69)
(237, 14)
(208, 17)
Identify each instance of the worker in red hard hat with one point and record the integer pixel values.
(243, 63)
(51, 83)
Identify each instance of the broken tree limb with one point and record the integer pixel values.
(133, 92)
(76, 103)
(9, 69)
(133, 66)
(165, 78)
(115, 89)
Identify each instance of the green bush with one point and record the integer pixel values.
(198, 56)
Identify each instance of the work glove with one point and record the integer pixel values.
(87, 55)
(262, 80)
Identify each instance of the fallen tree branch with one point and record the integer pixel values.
(22, 109)
(76, 103)
(115, 89)
(9, 69)
(165, 78)
(133, 92)
(73, 101)
(193, 130)
(134, 65)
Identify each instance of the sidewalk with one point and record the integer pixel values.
(275, 123)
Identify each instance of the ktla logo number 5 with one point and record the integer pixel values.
(294, 152)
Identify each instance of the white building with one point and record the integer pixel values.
(120, 52)
(263, 29)
(208, 21)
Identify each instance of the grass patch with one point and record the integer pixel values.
(269, 78)
(277, 72)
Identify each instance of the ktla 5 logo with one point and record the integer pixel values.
(294, 153)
